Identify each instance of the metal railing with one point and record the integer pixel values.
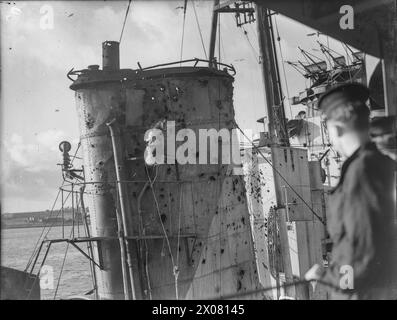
(227, 67)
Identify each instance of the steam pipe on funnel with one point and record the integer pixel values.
(123, 208)
(110, 55)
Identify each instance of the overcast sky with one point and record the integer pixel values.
(38, 109)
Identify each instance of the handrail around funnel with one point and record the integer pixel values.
(196, 60)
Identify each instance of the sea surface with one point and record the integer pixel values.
(74, 278)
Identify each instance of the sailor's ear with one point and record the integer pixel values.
(340, 129)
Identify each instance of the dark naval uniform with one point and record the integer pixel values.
(361, 225)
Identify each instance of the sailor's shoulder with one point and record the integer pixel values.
(371, 165)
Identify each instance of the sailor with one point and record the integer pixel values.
(362, 211)
(301, 115)
(383, 132)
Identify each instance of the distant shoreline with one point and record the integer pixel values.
(35, 225)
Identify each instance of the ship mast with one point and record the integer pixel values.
(214, 24)
(307, 238)
(271, 78)
(277, 129)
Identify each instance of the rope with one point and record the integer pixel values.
(281, 176)
(183, 28)
(125, 19)
(199, 29)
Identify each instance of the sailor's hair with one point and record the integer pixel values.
(352, 114)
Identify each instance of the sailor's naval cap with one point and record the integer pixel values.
(343, 94)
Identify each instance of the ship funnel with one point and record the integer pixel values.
(110, 55)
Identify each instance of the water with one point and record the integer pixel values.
(16, 249)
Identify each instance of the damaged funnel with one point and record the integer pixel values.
(196, 212)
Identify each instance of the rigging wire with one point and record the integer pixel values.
(42, 231)
(41, 237)
(78, 214)
(313, 55)
(348, 59)
(224, 51)
(125, 19)
(329, 48)
(221, 41)
(251, 45)
(51, 212)
(328, 58)
(219, 37)
(245, 32)
(143, 232)
(151, 182)
(176, 271)
(89, 245)
(253, 30)
(285, 285)
(199, 28)
(62, 266)
(280, 175)
(183, 29)
(283, 65)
